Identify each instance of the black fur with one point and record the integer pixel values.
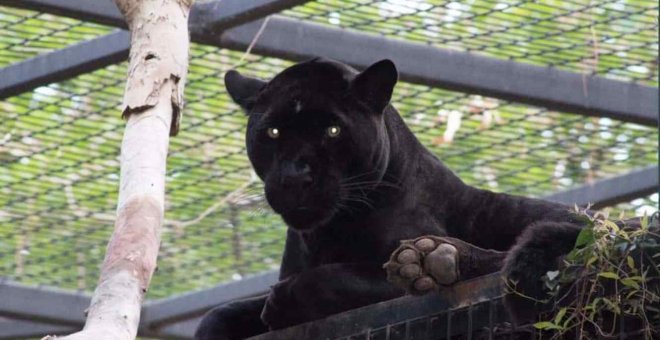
(350, 199)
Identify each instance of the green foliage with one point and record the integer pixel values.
(610, 278)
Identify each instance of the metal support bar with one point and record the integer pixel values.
(179, 330)
(40, 304)
(461, 71)
(65, 63)
(19, 329)
(210, 18)
(417, 63)
(193, 304)
(610, 191)
(98, 11)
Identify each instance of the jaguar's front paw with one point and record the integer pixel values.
(273, 312)
(281, 308)
(421, 264)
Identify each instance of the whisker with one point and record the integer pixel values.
(358, 176)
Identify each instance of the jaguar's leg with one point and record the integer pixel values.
(538, 250)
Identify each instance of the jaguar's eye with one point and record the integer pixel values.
(333, 131)
(273, 133)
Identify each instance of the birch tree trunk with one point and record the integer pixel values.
(152, 104)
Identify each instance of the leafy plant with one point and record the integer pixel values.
(609, 283)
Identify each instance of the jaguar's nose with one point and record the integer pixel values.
(296, 173)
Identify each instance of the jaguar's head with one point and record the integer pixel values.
(316, 136)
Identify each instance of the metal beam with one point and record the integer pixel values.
(41, 304)
(19, 329)
(63, 64)
(189, 305)
(460, 71)
(211, 18)
(179, 330)
(98, 11)
(610, 191)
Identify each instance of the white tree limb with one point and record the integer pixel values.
(152, 103)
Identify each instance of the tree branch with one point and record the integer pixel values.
(153, 100)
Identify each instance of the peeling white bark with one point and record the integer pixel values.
(152, 104)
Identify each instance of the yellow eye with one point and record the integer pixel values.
(273, 133)
(333, 131)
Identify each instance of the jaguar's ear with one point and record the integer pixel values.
(374, 85)
(243, 90)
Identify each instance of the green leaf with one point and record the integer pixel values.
(546, 325)
(560, 315)
(609, 275)
(585, 237)
(611, 225)
(630, 283)
(591, 260)
(631, 262)
(612, 306)
(645, 221)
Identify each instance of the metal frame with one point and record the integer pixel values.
(42, 304)
(64, 64)
(610, 191)
(11, 329)
(194, 304)
(418, 63)
(231, 24)
(102, 12)
(458, 71)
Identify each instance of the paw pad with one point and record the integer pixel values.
(407, 256)
(425, 245)
(424, 284)
(420, 265)
(410, 271)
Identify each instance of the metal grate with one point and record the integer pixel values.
(468, 310)
(612, 38)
